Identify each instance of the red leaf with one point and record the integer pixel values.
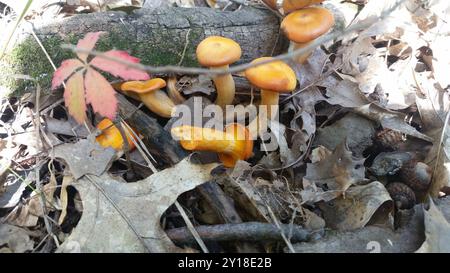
(118, 69)
(65, 70)
(100, 94)
(74, 97)
(88, 42)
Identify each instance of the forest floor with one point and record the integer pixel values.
(360, 162)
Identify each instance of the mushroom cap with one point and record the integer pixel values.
(218, 51)
(141, 87)
(110, 136)
(307, 24)
(276, 76)
(232, 145)
(291, 5)
(245, 147)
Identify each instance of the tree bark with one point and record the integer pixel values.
(157, 37)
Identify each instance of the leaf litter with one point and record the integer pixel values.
(367, 104)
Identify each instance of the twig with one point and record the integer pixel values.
(238, 68)
(43, 203)
(315, 82)
(52, 106)
(281, 231)
(42, 47)
(191, 228)
(185, 47)
(139, 145)
(42, 199)
(126, 145)
(248, 231)
(300, 158)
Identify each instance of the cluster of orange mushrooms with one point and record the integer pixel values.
(302, 25)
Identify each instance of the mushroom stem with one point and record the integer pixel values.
(225, 88)
(268, 99)
(158, 102)
(302, 57)
(206, 139)
(231, 145)
(173, 92)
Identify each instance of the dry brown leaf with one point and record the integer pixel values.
(346, 94)
(278, 130)
(312, 221)
(338, 171)
(200, 84)
(311, 71)
(433, 111)
(15, 239)
(67, 181)
(127, 215)
(23, 216)
(390, 120)
(319, 154)
(312, 194)
(357, 130)
(360, 205)
(243, 192)
(354, 56)
(256, 190)
(437, 231)
(307, 99)
(85, 157)
(11, 190)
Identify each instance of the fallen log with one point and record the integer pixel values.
(157, 37)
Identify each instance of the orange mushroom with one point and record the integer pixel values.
(305, 25)
(150, 94)
(272, 78)
(110, 136)
(218, 52)
(292, 5)
(231, 145)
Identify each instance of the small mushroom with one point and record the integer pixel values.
(292, 5)
(233, 144)
(303, 26)
(111, 137)
(150, 94)
(218, 52)
(272, 78)
(173, 92)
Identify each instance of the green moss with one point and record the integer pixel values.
(29, 59)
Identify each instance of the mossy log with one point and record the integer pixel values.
(157, 37)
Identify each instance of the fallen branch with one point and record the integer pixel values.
(238, 68)
(248, 231)
(157, 37)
